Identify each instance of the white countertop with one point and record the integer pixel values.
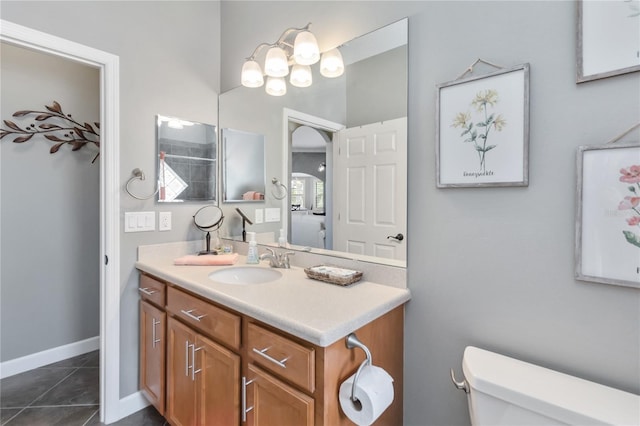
(315, 311)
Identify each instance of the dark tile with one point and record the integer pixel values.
(146, 417)
(8, 413)
(76, 361)
(53, 416)
(93, 359)
(81, 387)
(22, 389)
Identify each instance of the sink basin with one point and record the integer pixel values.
(245, 275)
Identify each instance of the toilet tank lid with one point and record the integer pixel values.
(548, 392)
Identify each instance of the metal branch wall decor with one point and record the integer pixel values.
(61, 129)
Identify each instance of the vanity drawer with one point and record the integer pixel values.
(282, 356)
(152, 290)
(216, 322)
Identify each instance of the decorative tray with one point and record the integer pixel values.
(333, 274)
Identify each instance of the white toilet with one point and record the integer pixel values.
(506, 391)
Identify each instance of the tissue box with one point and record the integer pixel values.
(333, 274)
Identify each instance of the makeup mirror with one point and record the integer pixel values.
(209, 218)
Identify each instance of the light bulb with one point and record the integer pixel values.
(276, 64)
(331, 64)
(252, 74)
(276, 86)
(305, 49)
(301, 76)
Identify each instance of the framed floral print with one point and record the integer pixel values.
(608, 38)
(607, 242)
(482, 130)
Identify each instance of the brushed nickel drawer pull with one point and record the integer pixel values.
(264, 354)
(193, 360)
(146, 291)
(186, 358)
(154, 334)
(245, 410)
(192, 316)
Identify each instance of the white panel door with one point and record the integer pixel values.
(370, 189)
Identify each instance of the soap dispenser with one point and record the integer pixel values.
(282, 241)
(252, 253)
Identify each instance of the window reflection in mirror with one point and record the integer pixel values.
(187, 160)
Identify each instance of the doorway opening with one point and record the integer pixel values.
(109, 258)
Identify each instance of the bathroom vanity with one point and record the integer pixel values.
(261, 354)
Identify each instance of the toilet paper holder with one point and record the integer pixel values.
(352, 341)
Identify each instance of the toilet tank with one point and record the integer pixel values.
(506, 391)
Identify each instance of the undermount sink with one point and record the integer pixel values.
(245, 275)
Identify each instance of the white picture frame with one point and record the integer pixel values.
(607, 238)
(482, 130)
(608, 39)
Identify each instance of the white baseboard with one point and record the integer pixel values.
(40, 359)
(131, 404)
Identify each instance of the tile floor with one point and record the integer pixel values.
(64, 393)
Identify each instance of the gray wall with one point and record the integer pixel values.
(373, 85)
(50, 214)
(488, 267)
(169, 65)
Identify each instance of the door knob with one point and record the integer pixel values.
(398, 237)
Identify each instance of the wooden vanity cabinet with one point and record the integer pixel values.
(272, 402)
(305, 390)
(153, 322)
(225, 368)
(203, 377)
(203, 383)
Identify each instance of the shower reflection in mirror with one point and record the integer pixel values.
(187, 160)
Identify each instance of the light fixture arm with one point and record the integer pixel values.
(279, 42)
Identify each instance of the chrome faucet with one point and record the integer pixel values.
(277, 259)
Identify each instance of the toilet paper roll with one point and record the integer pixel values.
(374, 391)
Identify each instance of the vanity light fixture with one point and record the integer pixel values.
(276, 86)
(322, 166)
(301, 76)
(296, 48)
(332, 64)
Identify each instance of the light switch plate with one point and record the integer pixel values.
(139, 221)
(272, 214)
(259, 216)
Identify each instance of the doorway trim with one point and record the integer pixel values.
(290, 116)
(108, 64)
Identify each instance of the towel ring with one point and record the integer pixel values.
(352, 341)
(138, 174)
(280, 186)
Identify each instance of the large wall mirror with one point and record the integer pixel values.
(340, 148)
(187, 160)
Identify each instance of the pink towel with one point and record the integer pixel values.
(207, 259)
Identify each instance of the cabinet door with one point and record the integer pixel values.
(275, 403)
(152, 354)
(218, 383)
(181, 390)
